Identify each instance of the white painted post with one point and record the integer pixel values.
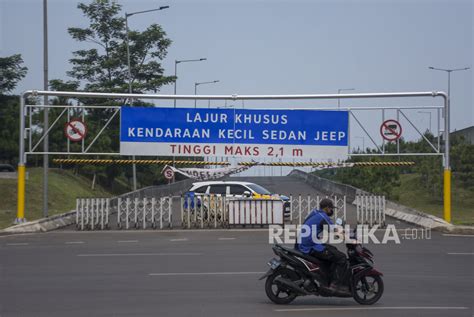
(344, 208)
(357, 208)
(127, 214)
(170, 210)
(215, 212)
(135, 215)
(78, 203)
(92, 211)
(161, 212)
(188, 199)
(195, 210)
(299, 209)
(153, 206)
(309, 206)
(119, 211)
(202, 212)
(144, 213)
(102, 216)
(82, 212)
(182, 211)
(291, 209)
(107, 211)
(383, 210)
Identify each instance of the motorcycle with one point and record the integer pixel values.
(295, 274)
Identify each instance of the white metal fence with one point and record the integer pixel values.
(215, 211)
(370, 210)
(204, 211)
(144, 212)
(301, 207)
(92, 213)
(255, 212)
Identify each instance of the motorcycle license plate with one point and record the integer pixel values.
(274, 263)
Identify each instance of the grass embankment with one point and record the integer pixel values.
(64, 187)
(413, 195)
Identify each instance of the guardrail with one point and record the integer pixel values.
(370, 210)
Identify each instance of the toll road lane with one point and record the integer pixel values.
(208, 276)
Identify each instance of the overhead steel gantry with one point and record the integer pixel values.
(85, 151)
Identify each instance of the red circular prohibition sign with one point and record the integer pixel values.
(393, 134)
(75, 126)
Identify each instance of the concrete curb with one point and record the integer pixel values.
(43, 225)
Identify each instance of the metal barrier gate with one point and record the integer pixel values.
(216, 211)
(370, 210)
(92, 213)
(204, 211)
(139, 213)
(301, 207)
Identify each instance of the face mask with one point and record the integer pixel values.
(331, 212)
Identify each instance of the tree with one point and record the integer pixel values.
(9, 114)
(11, 72)
(104, 68)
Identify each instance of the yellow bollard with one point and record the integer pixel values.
(20, 216)
(447, 195)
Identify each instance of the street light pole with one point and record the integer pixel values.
(447, 167)
(46, 110)
(338, 92)
(202, 83)
(176, 62)
(127, 42)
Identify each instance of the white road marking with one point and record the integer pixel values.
(461, 253)
(127, 241)
(226, 239)
(21, 234)
(459, 235)
(370, 308)
(135, 254)
(205, 273)
(181, 239)
(19, 243)
(74, 242)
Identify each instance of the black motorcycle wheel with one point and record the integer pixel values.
(277, 294)
(367, 290)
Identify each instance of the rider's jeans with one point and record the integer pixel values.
(338, 262)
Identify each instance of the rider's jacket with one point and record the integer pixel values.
(315, 220)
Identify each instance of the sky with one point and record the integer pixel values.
(283, 47)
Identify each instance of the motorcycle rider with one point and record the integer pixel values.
(315, 221)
